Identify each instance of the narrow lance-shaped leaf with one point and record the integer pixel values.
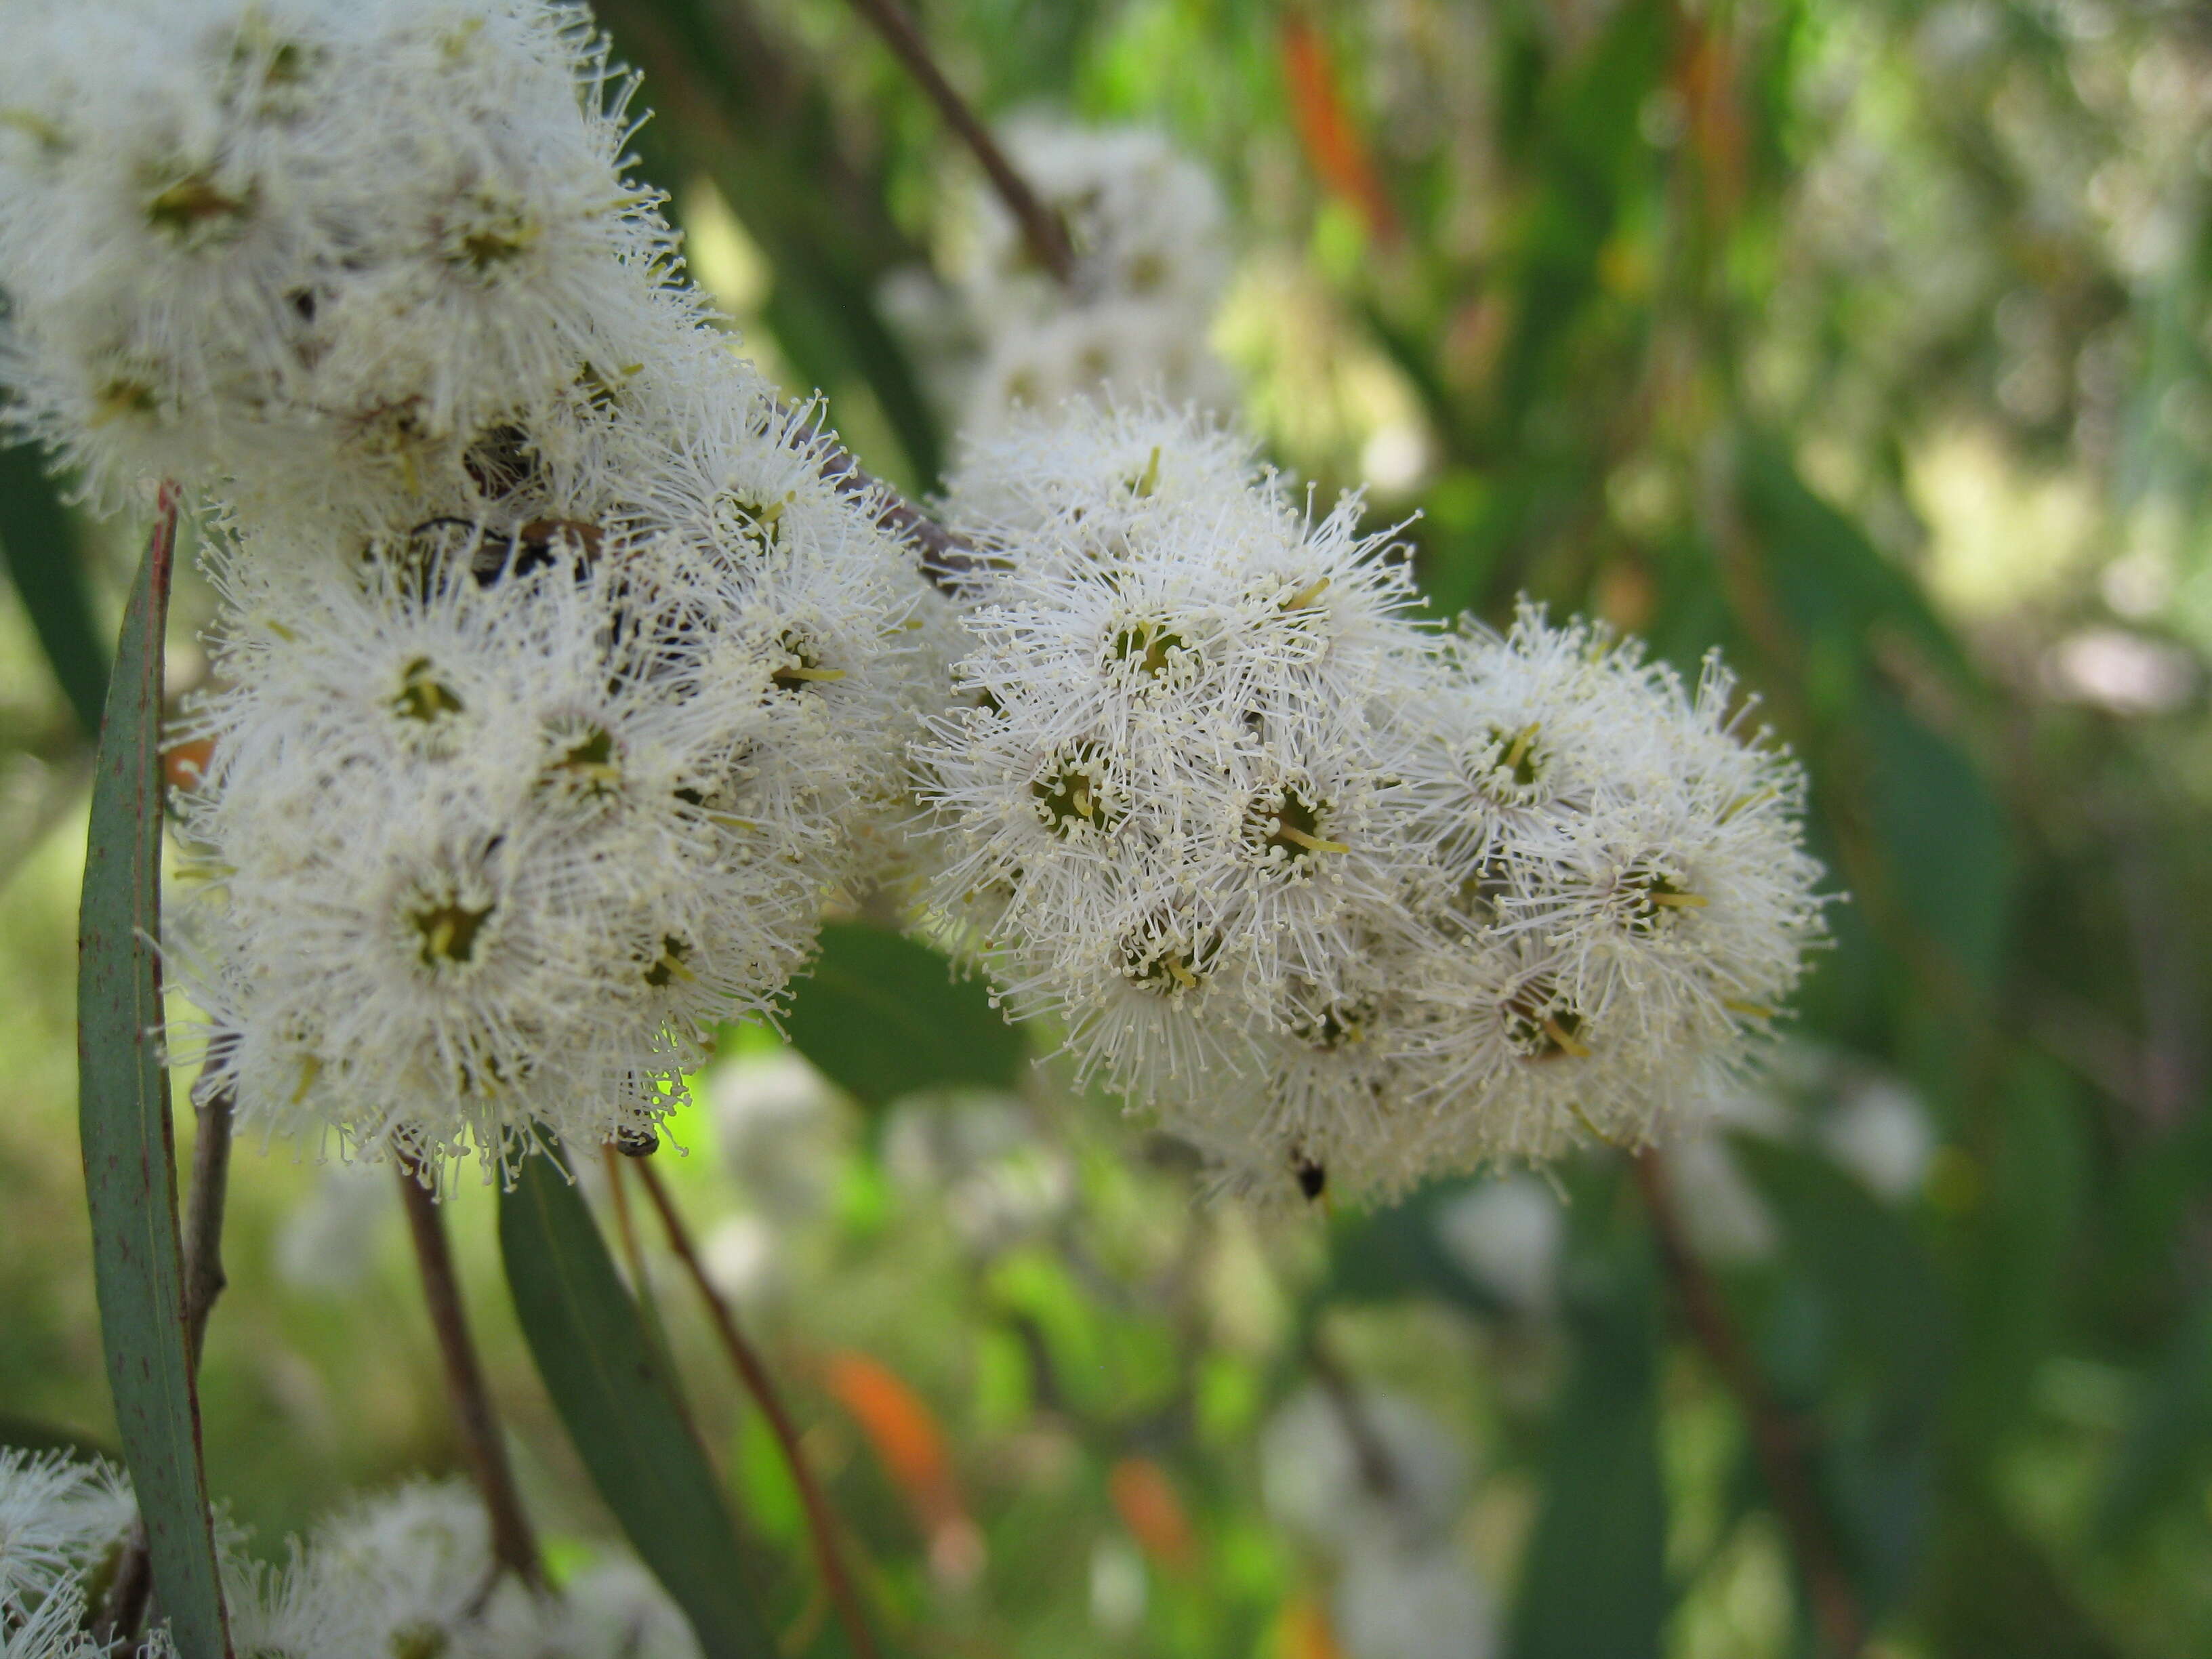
(1594, 1580)
(607, 1381)
(123, 1106)
(40, 548)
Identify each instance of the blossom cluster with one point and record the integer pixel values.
(562, 674)
(410, 1572)
(1344, 899)
(559, 673)
(1151, 262)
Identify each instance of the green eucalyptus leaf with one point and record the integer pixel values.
(1943, 839)
(125, 1130)
(1594, 1581)
(610, 1386)
(40, 545)
(882, 1017)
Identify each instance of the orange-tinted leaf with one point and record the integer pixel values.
(1334, 148)
(1145, 1497)
(913, 1451)
(1303, 1630)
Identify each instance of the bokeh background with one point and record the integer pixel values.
(1870, 343)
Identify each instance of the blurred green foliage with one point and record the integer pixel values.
(1866, 342)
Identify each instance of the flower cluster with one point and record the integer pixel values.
(1151, 265)
(1342, 899)
(556, 679)
(58, 1521)
(408, 1572)
(562, 673)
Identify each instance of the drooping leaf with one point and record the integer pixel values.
(40, 548)
(883, 1017)
(1830, 577)
(122, 1108)
(1943, 839)
(1864, 1281)
(2021, 1249)
(616, 1400)
(1594, 1583)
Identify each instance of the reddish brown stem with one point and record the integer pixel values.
(945, 557)
(1040, 226)
(1780, 1440)
(821, 1521)
(513, 1545)
(1370, 1452)
(204, 1278)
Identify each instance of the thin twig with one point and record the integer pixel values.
(1779, 1439)
(1040, 226)
(945, 557)
(204, 1278)
(512, 1545)
(821, 1522)
(1368, 1451)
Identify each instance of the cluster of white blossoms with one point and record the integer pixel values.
(561, 671)
(61, 1523)
(562, 674)
(1152, 262)
(1344, 900)
(409, 1572)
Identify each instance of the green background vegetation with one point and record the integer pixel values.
(1867, 341)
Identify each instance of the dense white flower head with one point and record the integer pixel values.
(313, 239)
(1170, 796)
(1631, 899)
(410, 1572)
(56, 1516)
(1151, 263)
(1125, 345)
(1346, 904)
(480, 859)
(1145, 218)
(561, 677)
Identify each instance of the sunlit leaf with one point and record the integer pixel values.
(607, 1383)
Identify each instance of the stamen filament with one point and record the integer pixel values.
(1519, 752)
(1311, 843)
(1559, 1035)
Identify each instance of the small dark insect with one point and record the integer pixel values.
(1313, 1177)
(537, 544)
(637, 1143)
(535, 540)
